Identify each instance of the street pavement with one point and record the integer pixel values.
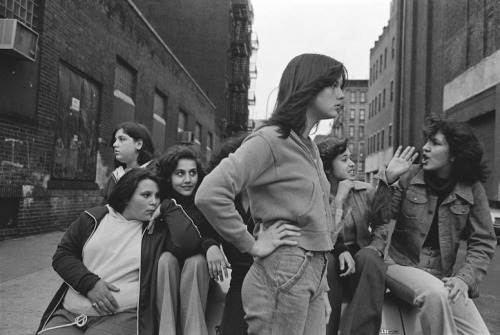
(28, 282)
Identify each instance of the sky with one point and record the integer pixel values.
(343, 29)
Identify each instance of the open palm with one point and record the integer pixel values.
(400, 163)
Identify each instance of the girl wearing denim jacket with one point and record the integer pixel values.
(435, 204)
(285, 290)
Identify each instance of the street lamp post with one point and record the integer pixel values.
(267, 103)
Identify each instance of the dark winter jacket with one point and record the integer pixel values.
(181, 239)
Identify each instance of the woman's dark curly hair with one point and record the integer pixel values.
(465, 147)
(126, 186)
(228, 147)
(168, 163)
(138, 132)
(330, 148)
(304, 77)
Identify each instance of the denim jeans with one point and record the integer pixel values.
(422, 287)
(365, 289)
(190, 285)
(282, 293)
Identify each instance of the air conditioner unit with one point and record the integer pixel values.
(186, 137)
(17, 40)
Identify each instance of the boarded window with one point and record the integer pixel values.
(75, 144)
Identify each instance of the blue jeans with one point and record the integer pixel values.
(282, 293)
(422, 287)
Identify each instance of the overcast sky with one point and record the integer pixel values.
(343, 29)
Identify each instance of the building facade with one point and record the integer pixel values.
(381, 97)
(352, 122)
(70, 73)
(214, 41)
(449, 64)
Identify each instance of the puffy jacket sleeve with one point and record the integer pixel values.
(185, 238)
(68, 260)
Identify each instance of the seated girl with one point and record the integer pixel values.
(181, 172)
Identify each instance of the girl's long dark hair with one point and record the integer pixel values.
(168, 163)
(304, 77)
(137, 131)
(465, 147)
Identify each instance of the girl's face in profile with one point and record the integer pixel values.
(343, 167)
(328, 103)
(143, 202)
(185, 177)
(126, 149)
(436, 155)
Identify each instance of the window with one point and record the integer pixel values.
(351, 131)
(77, 112)
(25, 11)
(393, 50)
(375, 107)
(376, 69)
(352, 114)
(353, 96)
(197, 133)
(361, 150)
(362, 97)
(389, 140)
(361, 114)
(379, 101)
(361, 132)
(380, 69)
(182, 123)
(210, 141)
(382, 136)
(125, 79)
(383, 99)
(392, 90)
(378, 141)
(159, 122)
(385, 58)
(351, 147)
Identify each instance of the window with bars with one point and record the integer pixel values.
(25, 11)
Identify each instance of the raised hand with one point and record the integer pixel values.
(273, 237)
(217, 263)
(400, 163)
(102, 299)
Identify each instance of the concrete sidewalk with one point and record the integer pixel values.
(27, 281)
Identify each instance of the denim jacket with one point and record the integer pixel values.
(464, 210)
(367, 211)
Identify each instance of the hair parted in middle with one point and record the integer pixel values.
(304, 77)
(168, 163)
(330, 148)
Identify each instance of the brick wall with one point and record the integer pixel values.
(87, 38)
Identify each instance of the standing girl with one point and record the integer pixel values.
(285, 289)
(133, 147)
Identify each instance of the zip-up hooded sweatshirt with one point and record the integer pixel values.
(285, 182)
(156, 238)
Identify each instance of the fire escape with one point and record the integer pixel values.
(241, 71)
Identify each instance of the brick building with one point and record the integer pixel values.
(214, 41)
(381, 97)
(73, 71)
(448, 63)
(351, 123)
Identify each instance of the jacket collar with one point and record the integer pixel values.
(461, 189)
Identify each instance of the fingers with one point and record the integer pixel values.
(112, 287)
(398, 151)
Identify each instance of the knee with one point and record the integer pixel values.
(368, 257)
(432, 296)
(167, 261)
(196, 263)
